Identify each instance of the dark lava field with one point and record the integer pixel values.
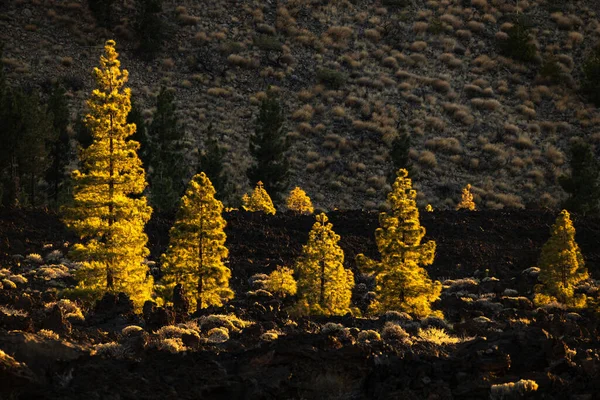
(493, 343)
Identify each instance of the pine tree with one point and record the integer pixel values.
(60, 149)
(299, 202)
(583, 184)
(197, 249)
(466, 201)
(324, 285)
(259, 200)
(268, 146)
(401, 283)
(561, 265)
(166, 181)
(108, 211)
(149, 27)
(210, 161)
(281, 282)
(141, 133)
(25, 132)
(399, 154)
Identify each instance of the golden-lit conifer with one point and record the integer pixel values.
(298, 201)
(197, 249)
(561, 265)
(429, 208)
(108, 211)
(324, 285)
(259, 200)
(401, 282)
(466, 201)
(281, 282)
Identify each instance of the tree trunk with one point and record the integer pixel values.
(111, 206)
(200, 261)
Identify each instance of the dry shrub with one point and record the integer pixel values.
(452, 20)
(219, 92)
(441, 85)
(555, 156)
(373, 35)
(486, 104)
(464, 34)
(448, 145)
(420, 27)
(418, 46)
(305, 113)
(450, 60)
(427, 159)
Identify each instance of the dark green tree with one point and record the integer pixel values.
(517, 46)
(399, 154)
(591, 76)
(268, 148)
(168, 168)
(210, 161)
(141, 133)
(583, 184)
(60, 152)
(149, 27)
(102, 10)
(25, 130)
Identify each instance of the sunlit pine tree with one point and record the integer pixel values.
(196, 253)
(108, 211)
(401, 282)
(281, 282)
(299, 202)
(259, 200)
(466, 201)
(561, 265)
(324, 285)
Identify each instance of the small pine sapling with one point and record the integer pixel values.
(281, 282)
(324, 285)
(196, 253)
(561, 265)
(299, 202)
(466, 201)
(259, 200)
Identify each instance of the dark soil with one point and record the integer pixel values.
(557, 349)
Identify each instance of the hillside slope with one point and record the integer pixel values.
(352, 75)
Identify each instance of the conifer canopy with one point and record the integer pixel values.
(108, 211)
(281, 282)
(401, 283)
(466, 201)
(561, 264)
(324, 285)
(298, 201)
(196, 253)
(259, 200)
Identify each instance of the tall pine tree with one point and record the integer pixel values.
(268, 148)
(583, 184)
(401, 283)
(166, 160)
(60, 149)
(210, 161)
(108, 211)
(324, 285)
(197, 249)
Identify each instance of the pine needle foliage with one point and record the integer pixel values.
(281, 282)
(196, 253)
(466, 201)
(108, 212)
(299, 202)
(583, 183)
(561, 264)
(324, 285)
(268, 147)
(210, 161)
(401, 283)
(259, 200)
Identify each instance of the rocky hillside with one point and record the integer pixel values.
(353, 75)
